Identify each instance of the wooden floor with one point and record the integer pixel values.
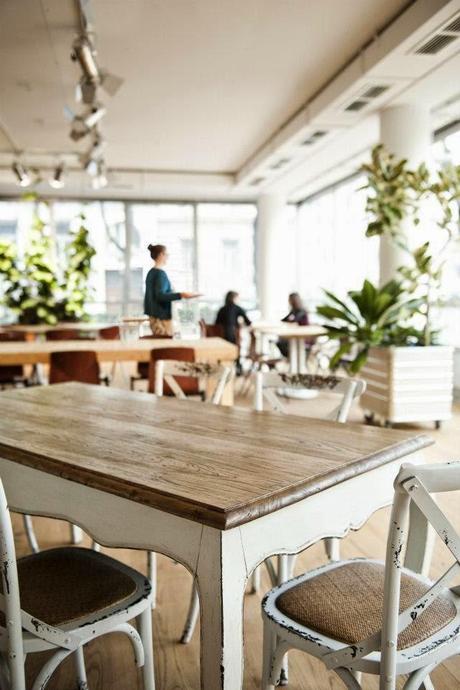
(110, 663)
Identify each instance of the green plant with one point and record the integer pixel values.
(396, 197)
(367, 318)
(37, 287)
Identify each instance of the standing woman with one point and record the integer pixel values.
(159, 294)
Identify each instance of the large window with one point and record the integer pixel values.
(333, 252)
(211, 247)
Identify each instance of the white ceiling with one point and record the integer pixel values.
(207, 82)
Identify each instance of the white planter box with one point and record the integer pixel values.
(409, 384)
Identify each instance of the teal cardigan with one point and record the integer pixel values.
(159, 295)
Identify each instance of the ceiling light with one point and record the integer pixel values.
(86, 91)
(100, 180)
(94, 116)
(84, 53)
(23, 177)
(79, 129)
(57, 181)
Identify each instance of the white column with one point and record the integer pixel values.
(405, 131)
(272, 270)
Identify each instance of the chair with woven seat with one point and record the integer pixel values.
(171, 373)
(75, 365)
(58, 600)
(366, 616)
(12, 374)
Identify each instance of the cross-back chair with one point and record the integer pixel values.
(169, 372)
(366, 616)
(269, 386)
(60, 599)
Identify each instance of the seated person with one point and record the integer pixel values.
(297, 314)
(230, 316)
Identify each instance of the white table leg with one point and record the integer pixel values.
(301, 355)
(221, 578)
(293, 356)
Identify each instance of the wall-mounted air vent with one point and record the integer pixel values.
(313, 138)
(279, 164)
(443, 37)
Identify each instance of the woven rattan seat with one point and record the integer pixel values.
(346, 603)
(66, 585)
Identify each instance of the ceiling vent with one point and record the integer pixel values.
(367, 94)
(313, 138)
(256, 181)
(279, 164)
(443, 37)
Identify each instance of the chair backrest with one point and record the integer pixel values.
(9, 600)
(8, 372)
(170, 371)
(66, 334)
(110, 333)
(268, 383)
(76, 365)
(211, 330)
(189, 384)
(413, 484)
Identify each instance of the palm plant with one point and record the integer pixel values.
(367, 318)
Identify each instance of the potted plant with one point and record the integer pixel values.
(409, 376)
(38, 288)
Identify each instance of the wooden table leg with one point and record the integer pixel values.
(293, 356)
(221, 578)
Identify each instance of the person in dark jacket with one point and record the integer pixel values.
(159, 294)
(230, 316)
(297, 314)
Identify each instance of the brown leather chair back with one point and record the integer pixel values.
(110, 333)
(211, 330)
(81, 366)
(189, 385)
(143, 367)
(66, 334)
(10, 372)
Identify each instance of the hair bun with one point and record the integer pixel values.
(150, 247)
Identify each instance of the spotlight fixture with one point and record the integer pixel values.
(57, 181)
(84, 53)
(23, 177)
(95, 115)
(100, 179)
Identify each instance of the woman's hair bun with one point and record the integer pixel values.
(150, 247)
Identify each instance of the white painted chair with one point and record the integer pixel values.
(165, 371)
(372, 617)
(269, 386)
(58, 600)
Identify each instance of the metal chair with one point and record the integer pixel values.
(366, 616)
(171, 372)
(59, 600)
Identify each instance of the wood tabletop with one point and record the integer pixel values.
(206, 349)
(214, 465)
(42, 328)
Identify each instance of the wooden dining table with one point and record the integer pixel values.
(217, 489)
